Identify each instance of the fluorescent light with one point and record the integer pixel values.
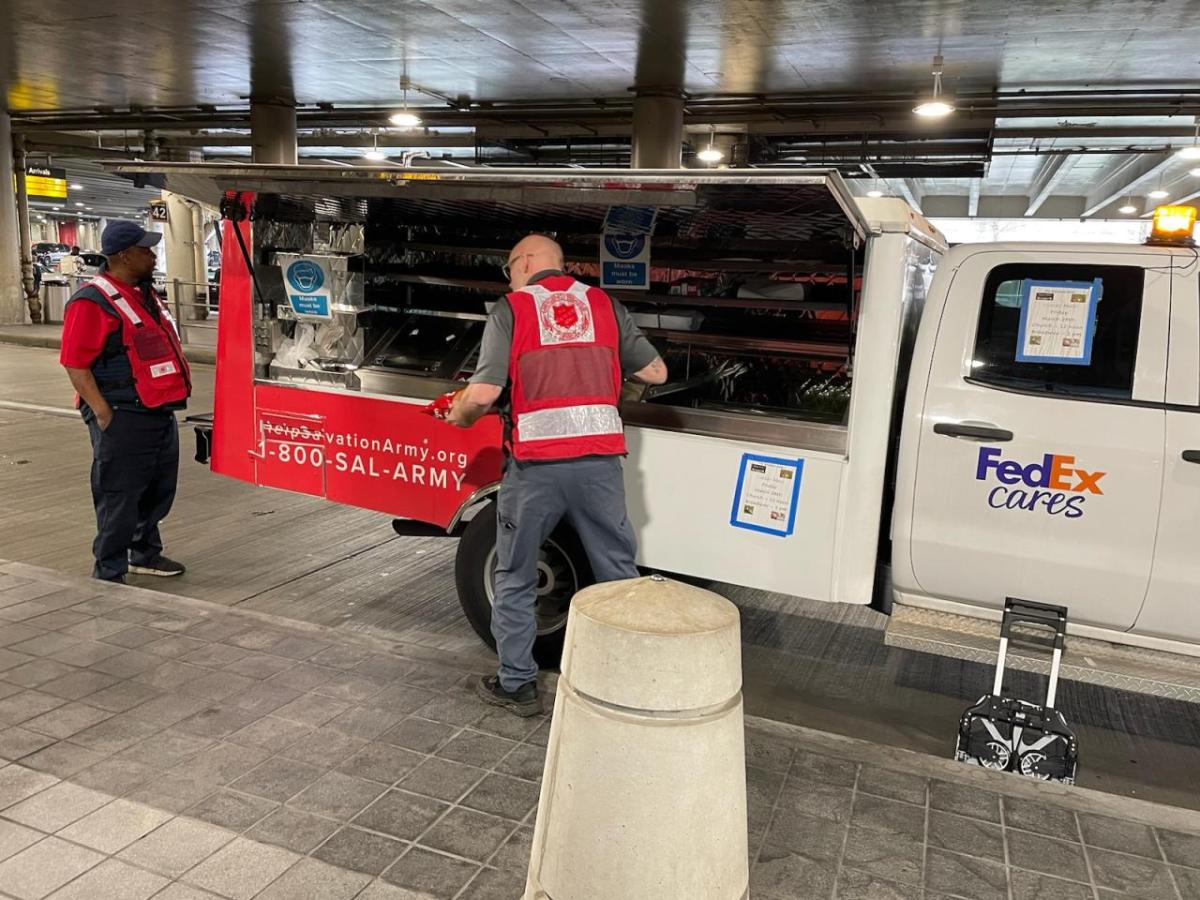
(710, 154)
(1158, 194)
(1128, 209)
(375, 155)
(933, 109)
(1195, 173)
(1189, 152)
(75, 186)
(78, 203)
(875, 192)
(405, 119)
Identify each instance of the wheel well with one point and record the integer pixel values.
(477, 498)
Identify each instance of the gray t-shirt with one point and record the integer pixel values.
(494, 354)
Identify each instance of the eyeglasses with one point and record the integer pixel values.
(507, 267)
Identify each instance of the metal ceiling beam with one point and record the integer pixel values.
(699, 109)
(1123, 179)
(1051, 172)
(973, 198)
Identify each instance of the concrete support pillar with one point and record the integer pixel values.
(150, 145)
(179, 242)
(644, 788)
(272, 132)
(32, 300)
(657, 131)
(658, 86)
(12, 294)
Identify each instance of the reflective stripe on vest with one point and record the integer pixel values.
(569, 422)
(117, 299)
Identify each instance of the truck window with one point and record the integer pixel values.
(1108, 374)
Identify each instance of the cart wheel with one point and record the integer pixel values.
(562, 571)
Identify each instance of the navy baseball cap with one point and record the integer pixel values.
(123, 234)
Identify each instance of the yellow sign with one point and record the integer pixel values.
(46, 183)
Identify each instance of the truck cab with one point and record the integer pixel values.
(1067, 477)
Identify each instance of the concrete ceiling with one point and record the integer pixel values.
(1046, 128)
(63, 54)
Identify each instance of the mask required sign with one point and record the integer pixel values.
(625, 247)
(309, 286)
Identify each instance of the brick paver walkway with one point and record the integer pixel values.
(154, 746)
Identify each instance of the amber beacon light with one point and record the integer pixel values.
(1173, 225)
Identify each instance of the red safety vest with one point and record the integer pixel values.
(566, 372)
(160, 370)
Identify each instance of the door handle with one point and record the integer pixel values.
(1192, 456)
(972, 432)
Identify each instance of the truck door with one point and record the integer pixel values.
(1041, 447)
(1170, 609)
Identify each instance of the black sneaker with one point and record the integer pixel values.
(163, 567)
(522, 702)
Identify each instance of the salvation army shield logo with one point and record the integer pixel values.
(564, 318)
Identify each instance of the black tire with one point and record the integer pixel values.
(564, 571)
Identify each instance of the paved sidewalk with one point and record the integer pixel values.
(158, 746)
(50, 336)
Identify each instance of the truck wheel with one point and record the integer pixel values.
(562, 571)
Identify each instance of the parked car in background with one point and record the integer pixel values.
(49, 253)
(90, 263)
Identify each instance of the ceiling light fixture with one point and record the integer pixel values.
(875, 191)
(1195, 173)
(1128, 209)
(76, 186)
(375, 154)
(936, 105)
(405, 118)
(78, 203)
(1192, 151)
(1159, 192)
(710, 154)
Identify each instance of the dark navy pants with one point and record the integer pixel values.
(534, 498)
(135, 464)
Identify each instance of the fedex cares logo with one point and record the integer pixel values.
(1054, 484)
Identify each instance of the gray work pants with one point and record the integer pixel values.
(534, 498)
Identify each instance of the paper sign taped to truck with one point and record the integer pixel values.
(1057, 321)
(766, 493)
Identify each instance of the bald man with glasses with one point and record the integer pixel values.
(562, 350)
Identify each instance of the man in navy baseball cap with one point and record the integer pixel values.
(121, 351)
(123, 234)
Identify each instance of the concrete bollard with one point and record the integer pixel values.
(644, 790)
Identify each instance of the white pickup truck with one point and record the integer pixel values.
(856, 412)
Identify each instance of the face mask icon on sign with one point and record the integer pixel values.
(624, 246)
(305, 276)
